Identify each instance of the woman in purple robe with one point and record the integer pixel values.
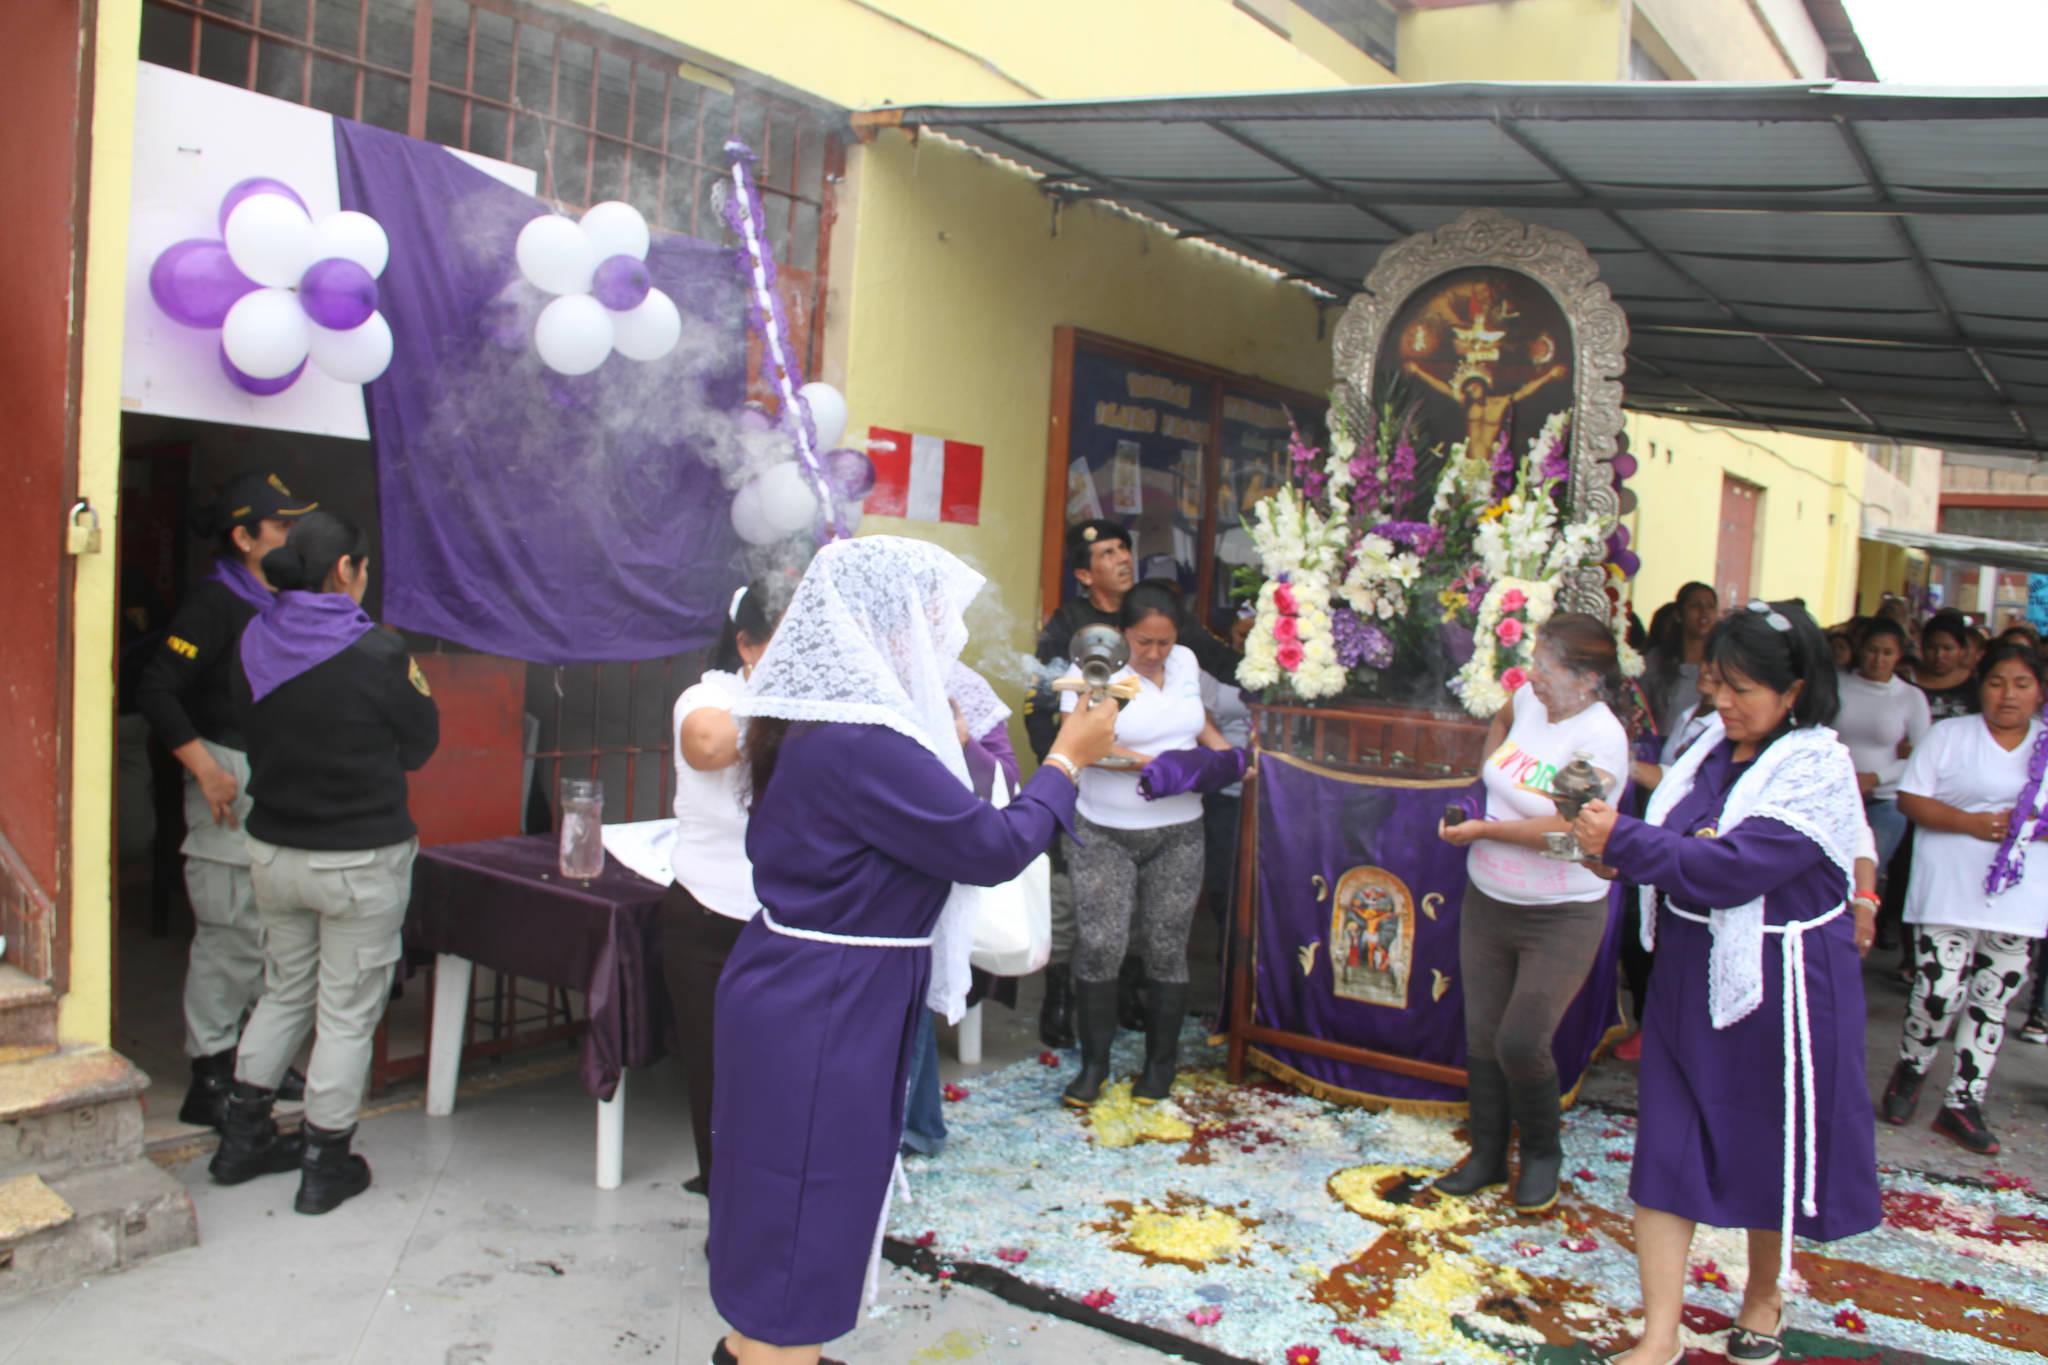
(1750, 838)
(867, 844)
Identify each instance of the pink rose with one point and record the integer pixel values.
(1513, 600)
(1283, 599)
(1509, 631)
(1513, 679)
(1288, 656)
(1285, 629)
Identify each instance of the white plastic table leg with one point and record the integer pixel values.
(444, 1041)
(611, 1137)
(968, 1043)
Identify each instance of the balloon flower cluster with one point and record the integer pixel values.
(282, 289)
(596, 266)
(780, 501)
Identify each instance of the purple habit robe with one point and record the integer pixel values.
(1710, 1140)
(859, 832)
(989, 755)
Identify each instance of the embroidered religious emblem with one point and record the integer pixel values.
(1372, 937)
(418, 679)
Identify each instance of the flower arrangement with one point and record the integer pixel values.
(1355, 596)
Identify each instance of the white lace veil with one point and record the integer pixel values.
(980, 708)
(871, 638)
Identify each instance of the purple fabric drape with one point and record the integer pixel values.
(502, 903)
(295, 632)
(1336, 853)
(524, 513)
(1192, 770)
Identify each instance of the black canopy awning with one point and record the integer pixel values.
(1859, 260)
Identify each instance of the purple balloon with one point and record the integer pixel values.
(850, 471)
(1618, 539)
(754, 418)
(195, 283)
(621, 283)
(338, 294)
(253, 186)
(1624, 466)
(262, 388)
(1627, 562)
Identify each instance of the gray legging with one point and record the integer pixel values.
(1154, 874)
(1523, 967)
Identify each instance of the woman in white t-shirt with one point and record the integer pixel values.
(1882, 718)
(1979, 892)
(1137, 863)
(1531, 925)
(713, 894)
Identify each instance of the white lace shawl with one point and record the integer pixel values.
(870, 638)
(980, 708)
(1804, 779)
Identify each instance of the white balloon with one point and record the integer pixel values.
(356, 356)
(615, 228)
(650, 331)
(556, 255)
(354, 237)
(265, 333)
(828, 413)
(787, 499)
(749, 520)
(270, 239)
(574, 334)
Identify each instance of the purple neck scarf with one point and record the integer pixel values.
(298, 631)
(234, 575)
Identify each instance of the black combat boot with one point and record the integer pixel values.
(1542, 1147)
(1095, 1019)
(1486, 1128)
(331, 1174)
(206, 1099)
(1056, 1014)
(1166, 1009)
(250, 1144)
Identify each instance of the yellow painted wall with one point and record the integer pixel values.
(946, 316)
(921, 51)
(1807, 526)
(86, 1011)
(1716, 40)
(1526, 40)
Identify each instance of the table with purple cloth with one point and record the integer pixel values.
(504, 904)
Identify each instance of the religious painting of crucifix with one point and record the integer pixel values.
(1486, 351)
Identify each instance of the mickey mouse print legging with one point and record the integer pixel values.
(1965, 980)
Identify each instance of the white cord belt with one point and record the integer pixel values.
(844, 940)
(1799, 1084)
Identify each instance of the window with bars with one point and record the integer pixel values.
(595, 115)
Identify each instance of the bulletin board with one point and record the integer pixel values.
(1173, 449)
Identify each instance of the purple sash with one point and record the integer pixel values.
(297, 631)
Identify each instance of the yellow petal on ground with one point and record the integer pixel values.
(1117, 1120)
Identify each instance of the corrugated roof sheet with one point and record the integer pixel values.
(1862, 260)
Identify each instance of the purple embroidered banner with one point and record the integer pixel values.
(1357, 927)
(525, 513)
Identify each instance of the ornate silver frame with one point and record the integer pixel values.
(1561, 264)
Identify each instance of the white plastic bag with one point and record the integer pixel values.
(1013, 933)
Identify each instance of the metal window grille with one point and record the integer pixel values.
(596, 115)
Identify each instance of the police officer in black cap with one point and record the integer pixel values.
(1099, 556)
(184, 693)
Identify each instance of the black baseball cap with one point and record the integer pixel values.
(1086, 533)
(251, 498)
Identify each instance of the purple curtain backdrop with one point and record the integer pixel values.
(1313, 824)
(524, 513)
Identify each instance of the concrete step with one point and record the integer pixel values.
(74, 1109)
(89, 1223)
(28, 1015)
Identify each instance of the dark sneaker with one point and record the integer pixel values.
(2035, 1030)
(1901, 1095)
(1964, 1124)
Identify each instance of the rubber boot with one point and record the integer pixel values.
(1130, 995)
(331, 1174)
(250, 1144)
(1542, 1149)
(1095, 1020)
(206, 1099)
(1485, 1167)
(1056, 1014)
(1166, 1009)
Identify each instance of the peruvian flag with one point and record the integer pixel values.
(924, 478)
